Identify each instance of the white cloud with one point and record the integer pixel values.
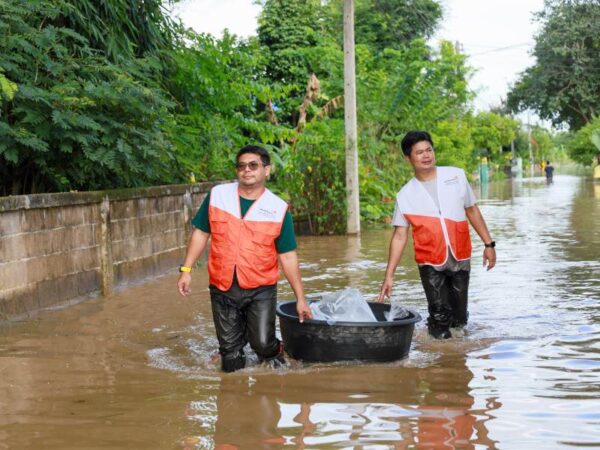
(498, 36)
(213, 16)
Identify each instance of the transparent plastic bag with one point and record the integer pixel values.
(396, 312)
(343, 306)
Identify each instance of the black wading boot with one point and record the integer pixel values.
(438, 332)
(278, 361)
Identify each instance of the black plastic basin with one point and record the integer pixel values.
(317, 341)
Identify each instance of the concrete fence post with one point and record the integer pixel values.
(106, 261)
(187, 210)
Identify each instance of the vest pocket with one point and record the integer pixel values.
(422, 238)
(463, 240)
(218, 226)
(263, 250)
(462, 227)
(262, 239)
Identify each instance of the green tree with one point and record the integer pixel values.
(313, 176)
(121, 29)
(412, 88)
(543, 145)
(453, 139)
(222, 104)
(563, 84)
(385, 24)
(87, 113)
(583, 146)
(285, 28)
(492, 132)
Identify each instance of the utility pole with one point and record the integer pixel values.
(529, 146)
(352, 190)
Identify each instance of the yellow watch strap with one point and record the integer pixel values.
(185, 269)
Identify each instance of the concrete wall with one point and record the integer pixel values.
(58, 248)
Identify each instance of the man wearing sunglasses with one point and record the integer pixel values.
(250, 227)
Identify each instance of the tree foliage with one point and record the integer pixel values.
(492, 132)
(583, 146)
(111, 94)
(221, 104)
(402, 84)
(286, 28)
(563, 84)
(76, 115)
(412, 88)
(385, 24)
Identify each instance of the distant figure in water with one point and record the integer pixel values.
(549, 169)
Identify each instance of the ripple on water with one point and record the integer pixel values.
(529, 353)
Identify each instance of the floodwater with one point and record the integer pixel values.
(134, 371)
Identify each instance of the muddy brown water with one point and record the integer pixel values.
(134, 371)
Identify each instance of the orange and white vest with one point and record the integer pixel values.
(435, 230)
(244, 245)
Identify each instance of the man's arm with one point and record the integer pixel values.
(291, 270)
(397, 246)
(195, 247)
(478, 223)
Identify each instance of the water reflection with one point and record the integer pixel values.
(351, 406)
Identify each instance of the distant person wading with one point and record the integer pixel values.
(549, 170)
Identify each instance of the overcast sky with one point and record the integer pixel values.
(496, 34)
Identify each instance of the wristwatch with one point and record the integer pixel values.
(185, 269)
(490, 244)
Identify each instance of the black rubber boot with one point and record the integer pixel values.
(447, 299)
(459, 295)
(437, 290)
(260, 323)
(439, 333)
(245, 316)
(231, 331)
(278, 361)
(233, 362)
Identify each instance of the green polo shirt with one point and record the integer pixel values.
(286, 242)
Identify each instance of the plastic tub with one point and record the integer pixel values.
(317, 341)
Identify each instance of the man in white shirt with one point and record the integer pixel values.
(437, 203)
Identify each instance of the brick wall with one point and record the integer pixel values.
(59, 248)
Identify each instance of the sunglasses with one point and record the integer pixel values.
(252, 165)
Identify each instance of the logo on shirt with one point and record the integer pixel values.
(450, 181)
(267, 212)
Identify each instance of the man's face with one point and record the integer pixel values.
(422, 156)
(251, 172)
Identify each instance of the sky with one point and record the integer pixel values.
(498, 35)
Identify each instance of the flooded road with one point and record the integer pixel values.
(134, 371)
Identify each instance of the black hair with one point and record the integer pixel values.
(412, 137)
(264, 155)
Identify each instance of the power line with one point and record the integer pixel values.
(500, 49)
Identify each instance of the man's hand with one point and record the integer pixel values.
(196, 246)
(489, 257)
(397, 245)
(386, 290)
(303, 310)
(183, 284)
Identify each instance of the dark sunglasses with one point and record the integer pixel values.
(252, 165)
